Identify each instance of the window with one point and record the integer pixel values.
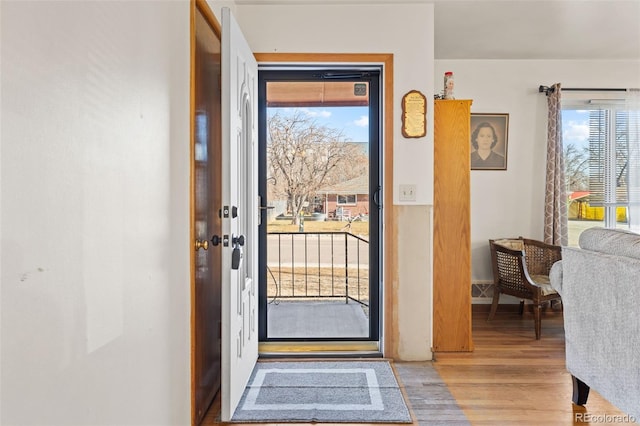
(346, 200)
(601, 144)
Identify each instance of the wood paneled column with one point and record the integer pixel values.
(451, 227)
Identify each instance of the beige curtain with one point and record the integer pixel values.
(555, 200)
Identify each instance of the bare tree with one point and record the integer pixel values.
(576, 162)
(303, 157)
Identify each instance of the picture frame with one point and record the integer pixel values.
(489, 141)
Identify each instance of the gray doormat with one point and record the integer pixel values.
(325, 391)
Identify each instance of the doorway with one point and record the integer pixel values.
(320, 173)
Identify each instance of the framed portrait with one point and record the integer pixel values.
(489, 140)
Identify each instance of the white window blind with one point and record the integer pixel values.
(611, 140)
(614, 162)
(614, 152)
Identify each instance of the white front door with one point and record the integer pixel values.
(239, 214)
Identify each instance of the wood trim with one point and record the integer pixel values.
(203, 8)
(390, 230)
(208, 14)
(192, 273)
(324, 58)
(390, 265)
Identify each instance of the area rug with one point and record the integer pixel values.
(325, 391)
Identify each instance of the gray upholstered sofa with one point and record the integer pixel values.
(600, 288)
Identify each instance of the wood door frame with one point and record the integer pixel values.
(389, 329)
(202, 7)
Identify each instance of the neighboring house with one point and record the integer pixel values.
(577, 201)
(580, 209)
(345, 200)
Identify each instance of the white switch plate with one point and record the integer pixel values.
(407, 192)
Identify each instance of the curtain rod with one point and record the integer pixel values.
(546, 89)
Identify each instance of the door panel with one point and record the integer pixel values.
(206, 196)
(239, 214)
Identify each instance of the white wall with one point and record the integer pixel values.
(406, 31)
(217, 5)
(511, 203)
(95, 213)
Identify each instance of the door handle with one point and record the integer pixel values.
(376, 197)
(201, 244)
(239, 240)
(236, 257)
(236, 254)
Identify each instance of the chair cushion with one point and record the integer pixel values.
(511, 243)
(544, 283)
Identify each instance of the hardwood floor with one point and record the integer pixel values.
(509, 379)
(513, 379)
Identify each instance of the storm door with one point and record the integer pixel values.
(320, 205)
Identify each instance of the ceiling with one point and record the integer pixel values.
(559, 29)
(524, 29)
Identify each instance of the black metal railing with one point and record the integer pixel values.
(318, 265)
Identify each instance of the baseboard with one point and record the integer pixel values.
(486, 307)
(514, 307)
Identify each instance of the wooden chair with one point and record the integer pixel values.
(521, 269)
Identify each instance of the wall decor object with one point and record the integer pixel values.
(489, 137)
(414, 115)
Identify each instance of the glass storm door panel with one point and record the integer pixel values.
(319, 168)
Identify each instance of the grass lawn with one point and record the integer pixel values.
(357, 227)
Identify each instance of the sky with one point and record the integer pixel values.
(353, 121)
(575, 127)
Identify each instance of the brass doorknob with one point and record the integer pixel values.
(202, 244)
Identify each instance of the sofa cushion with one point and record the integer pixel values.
(618, 242)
